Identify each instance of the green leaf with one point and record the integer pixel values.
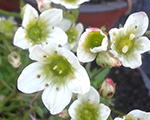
(39, 111)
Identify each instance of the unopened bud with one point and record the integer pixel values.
(106, 59)
(14, 59)
(7, 26)
(107, 88)
(43, 5)
(64, 114)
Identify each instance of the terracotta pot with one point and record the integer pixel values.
(9, 5)
(98, 15)
(13, 5)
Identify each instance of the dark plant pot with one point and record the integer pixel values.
(9, 5)
(13, 5)
(105, 14)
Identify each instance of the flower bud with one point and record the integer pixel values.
(4, 23)
(106, 59)
(14, 59)
(43, 5)
(64, 114)
(107, 88)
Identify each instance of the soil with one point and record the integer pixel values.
(131, 92)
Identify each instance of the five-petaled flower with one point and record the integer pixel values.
(135, 115)
(58, 72)
(70, 4)
(87, 107)
(92, 41)
(128, 43)
(39, 29)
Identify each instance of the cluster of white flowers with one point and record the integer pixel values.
(50, 39)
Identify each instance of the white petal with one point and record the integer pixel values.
(71, 58)
(56, 98)
(82, 1)
(37, 53)
(137, 23)
(81, 83)
(85, 56)
(92, 96)
(117, 118)
(31, 80)
(64, 24)
(142, 44)
(79, 29)
(73, 106)
(140, 114)
(104, 112)
(30, 16)
(133, 61)
(51, 17)
(20, 39)
(56, 1)
(57, 35)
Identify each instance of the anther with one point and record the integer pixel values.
(125, 49)
(46, 85)
(60, 71)
(44, 56)
(55, 67)
(55, 52)
(38, 76)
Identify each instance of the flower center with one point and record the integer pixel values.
(124, 45)
(72, 35)
(129, 117)
(70, 1)
(57, 70)
(94, 39)
(87, 111)
(60, 66)
(35, 34)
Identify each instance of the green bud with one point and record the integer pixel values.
(106, 59)
(14, 59)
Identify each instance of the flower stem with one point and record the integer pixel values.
(107, 101)
(100, 70)
(116, 111)
(36, 95)
(9, 13)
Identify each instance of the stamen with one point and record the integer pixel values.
(114, 34)
(38, 38)
(38, 76)
(55, 67)
(60, 71)
(71, 77)
(42, 31)
(125, 49)
(83, 44)
(132, 36)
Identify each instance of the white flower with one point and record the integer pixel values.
(135, 115)
(74, 32)
(43, 5)
(39, 29)
(58, 72)
(92, 41)
(70, 4)
(128, 43)
(87, 107)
